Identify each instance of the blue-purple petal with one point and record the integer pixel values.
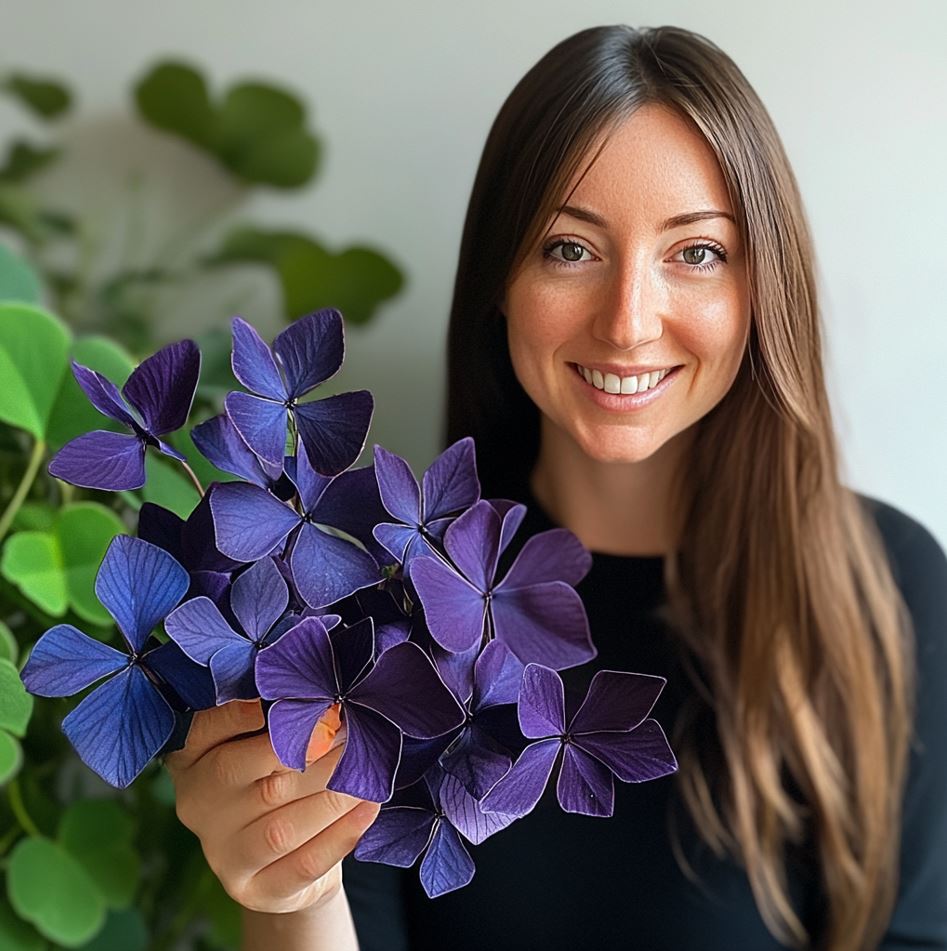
(253, 364)
(291, 723)
(585, 785)
(311, 350)
(259, 597)
(517, 793)
(554, 555)
(369, 760)
(249, 522)
(162, 387)
(447, 865)
(473, 543)
(617, 700)
(450, 482)
(300, 665)
(634, 757)
(327, 568)
(261, 424)
(397, 837)
(397, 487)
(192, 682)
(464, 812)
(542, 705)
(219, 442)
(333, 430)
(64, 661)
(101, 460)
(200, 630)
(102, 394)
(454, 608)
(232, 670)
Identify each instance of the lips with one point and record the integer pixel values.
(624, 384)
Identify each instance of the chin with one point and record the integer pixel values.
(619, 451)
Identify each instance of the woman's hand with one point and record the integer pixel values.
(273, 836)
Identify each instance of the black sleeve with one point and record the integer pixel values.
(919, 920)
(376, 897)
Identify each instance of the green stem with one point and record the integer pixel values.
(19, 809)
(194, 479)
(13, 833)
(32, 467)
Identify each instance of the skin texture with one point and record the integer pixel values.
(628, 294)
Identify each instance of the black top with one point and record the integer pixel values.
(554, 880)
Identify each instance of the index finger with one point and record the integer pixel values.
(210, 728)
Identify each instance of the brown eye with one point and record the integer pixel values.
(695, 255)
(572, 252)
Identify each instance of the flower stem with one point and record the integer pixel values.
(19, 810)
(194, 479)
(32, 467)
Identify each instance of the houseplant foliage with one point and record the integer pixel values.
(375, 606)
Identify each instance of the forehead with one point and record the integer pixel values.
(654, 164)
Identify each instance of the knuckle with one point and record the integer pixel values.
(275, 789)
(338, 802)
(278, 835)
(312, 864)
(224, 767)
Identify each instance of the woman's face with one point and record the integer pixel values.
(625, 325)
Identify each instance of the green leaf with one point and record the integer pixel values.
(15, 933)
(124, 931)
(72, 413)
(168, 485)
(17, 280)
(45, 98)
(56, 569)
(173, 96)
(25, 160)
(20, 211)
(16, 705)
(9, 649)
(49, 888)
(34, 517)
(33, 562)
(356, 281)
(33, 359)
(98, 834)
(11, 759)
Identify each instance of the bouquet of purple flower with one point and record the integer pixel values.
(341, 597)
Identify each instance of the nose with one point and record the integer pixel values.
(630, 310)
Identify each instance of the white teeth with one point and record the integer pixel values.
(626, 385)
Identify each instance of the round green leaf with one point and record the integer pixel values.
(34, 517)
(16, 934)
(98, 834)
(16, 705)
(286, 159)
(173, 96)
(123, 931)
(17, 280)
(11, 759)
(49, 888)
(21, 211)
(45, 98)
(32, 561)
(83, 532)
(72, 413)
(33, 358)
(9, 649)
(168, 485)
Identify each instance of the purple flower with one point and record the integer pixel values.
(219, 442)
(309, 669)
(608, 736)
(157, 400)
(448, 485)
(124, 722)
(258, 599)
(304, 355)
(533, 610)
(250, 523)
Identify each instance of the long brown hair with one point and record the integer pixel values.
(780, 590)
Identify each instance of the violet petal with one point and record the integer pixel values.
(311, 350)
(101, 460)
(472, 542)
(253, 364)
(299, 665)
(162, 387)
(327, 568)
(369, 760)
(199, 629)
(617, 700)
(464, 813)
(520, 789)
(554, 555)
(453, 607)
(259, 597)
(634, 757)
(397, 836)
(261, 424)
(542, 706)
(585, 785)
(450, 482)
(291, 723)
(447, 865)
(232, 669)
(102, 394)
(64, 661)
(334, 429)
(397, 486)
(249, 522)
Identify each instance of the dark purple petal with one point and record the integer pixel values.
(64, 661)
(209, 584)
(197, 539)
(454, 608)
(464, 812)
(351, 503)
(405, 687)
(169, 450)
(555, 555)
(398, 487)
(511, 516)
(333, 430)
(291, 723)
(369, 760)
(310, 350)
(200, 630)
(259, 597)
(232, 669)
(139, 584)
(394, 632)
(418, 756)
(497, 676)
(327, 568)
(101, 460)
(585, 786)
(634, 757)
(457, 670)
(103, 394)
(354, 650)
(120, 726)
(544, 623)
(617, 700)
(520, 789)
(397, 837)
(299, 665)
(395, 538)
(309, 484)
(218, 441)
(447, 865)
(253, 364)
(472, 541)
(261, 424)
(161, 527)
(475, 760)
(542, 705)
(249, 522)
(450, 482)
(191, 682)
(162, 387)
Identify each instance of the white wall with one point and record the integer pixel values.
(404, 94)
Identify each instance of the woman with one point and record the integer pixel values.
(634, 344)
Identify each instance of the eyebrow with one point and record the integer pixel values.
(675, 221)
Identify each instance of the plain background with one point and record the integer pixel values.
(404, 94)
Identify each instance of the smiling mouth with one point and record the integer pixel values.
(622, 385)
